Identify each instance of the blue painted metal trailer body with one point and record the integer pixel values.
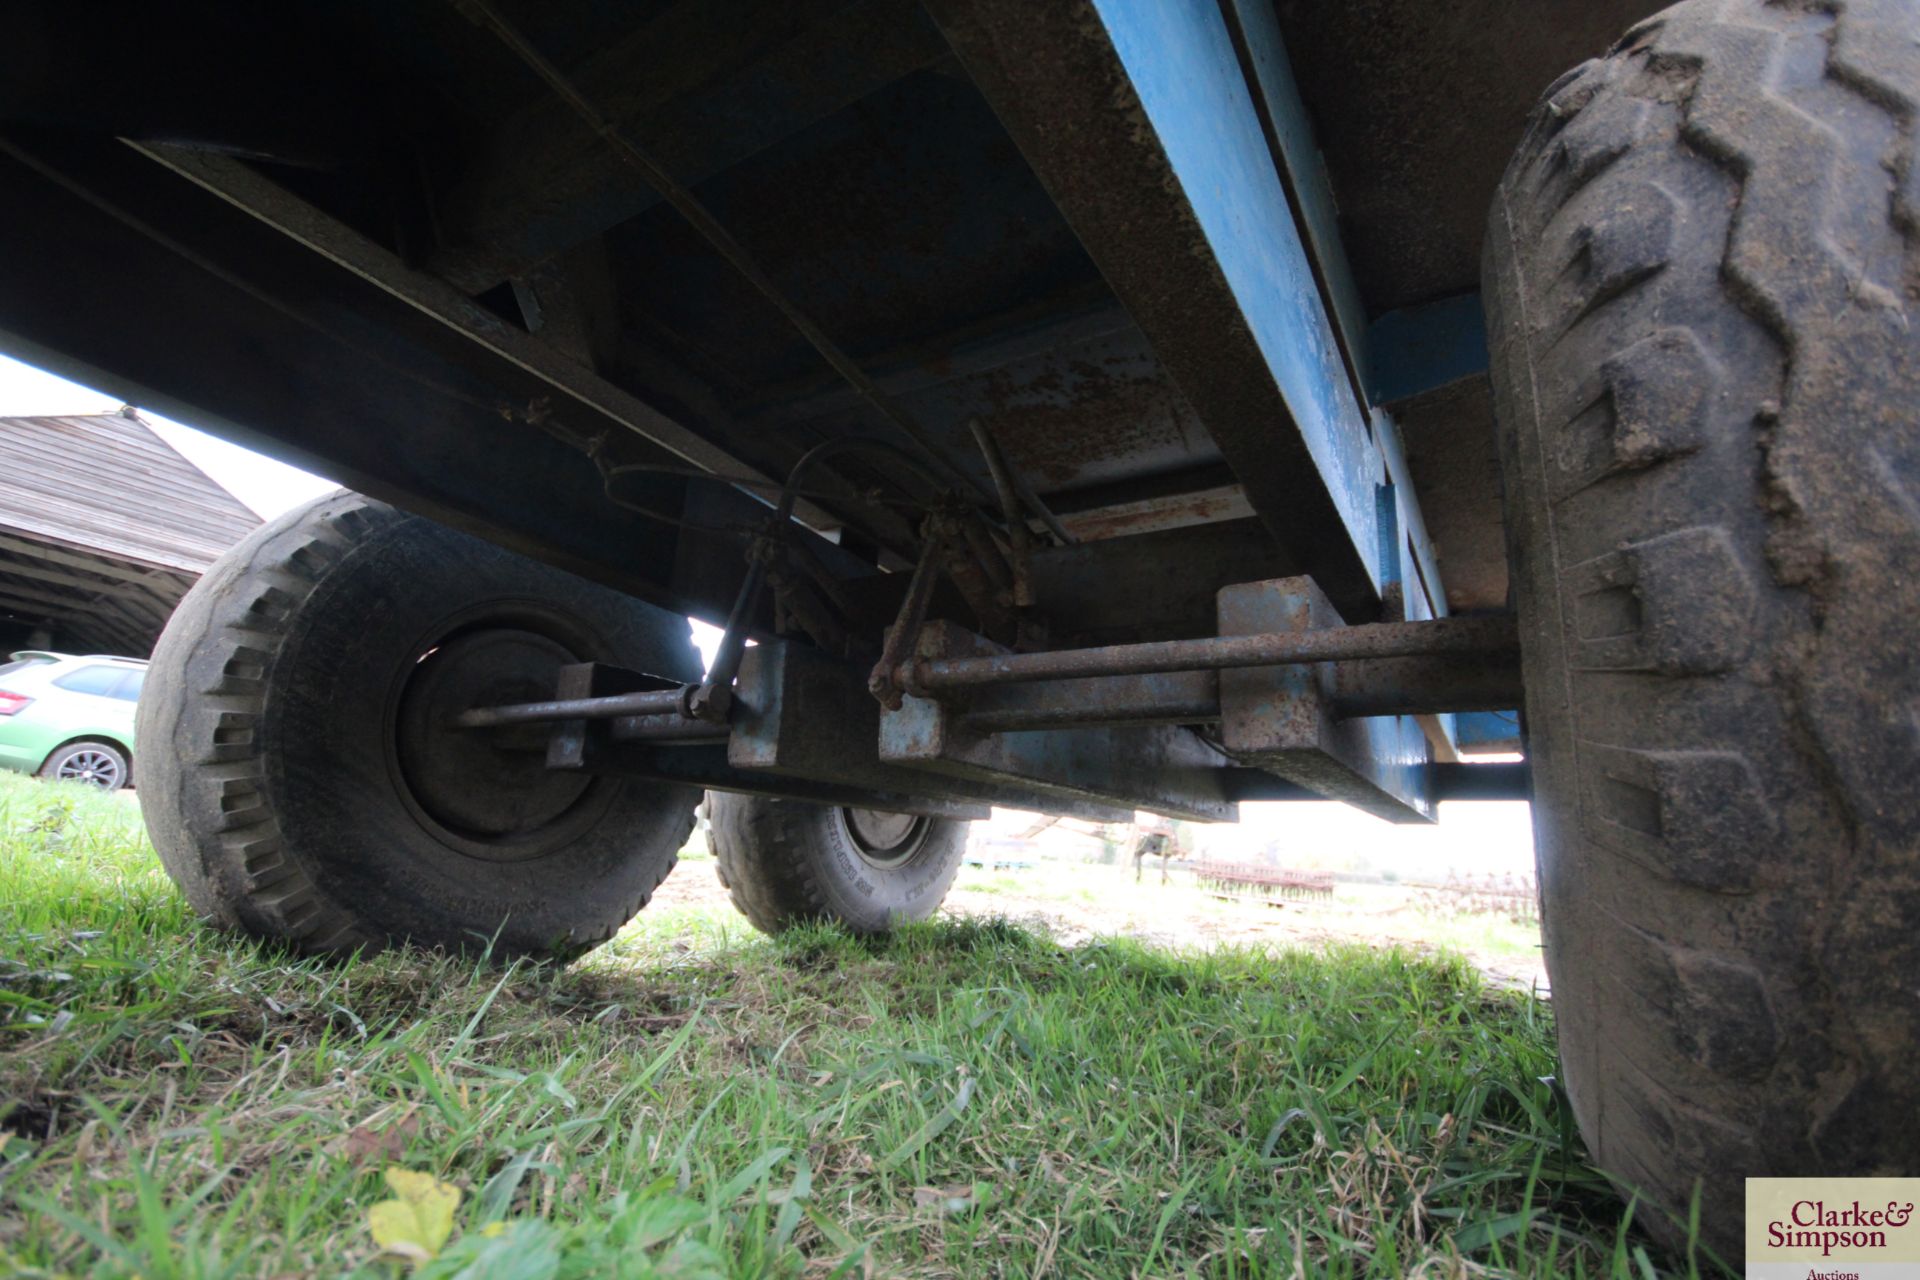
(1262, 203)
(1183, 67)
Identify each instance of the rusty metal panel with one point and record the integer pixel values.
(1283, 719)
(1159, 769)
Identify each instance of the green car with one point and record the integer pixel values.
(69, 717)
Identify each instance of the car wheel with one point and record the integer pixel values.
(94, 764)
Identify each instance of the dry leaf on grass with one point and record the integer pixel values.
(365, 1145)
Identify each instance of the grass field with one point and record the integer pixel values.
(965, 1099)
(1080, 899)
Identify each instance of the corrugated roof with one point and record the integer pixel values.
(107, 484)
(103, 527)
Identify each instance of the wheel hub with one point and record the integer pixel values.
(91, 767)
(885, 839)
(490, 790)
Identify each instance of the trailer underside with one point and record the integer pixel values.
(1204, 274)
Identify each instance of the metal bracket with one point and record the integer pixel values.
(1283, 719)
(798, 714)
(624, 747)
(1160, 769)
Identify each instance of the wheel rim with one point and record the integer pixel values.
(884, 840)
(92, 766)
(487, 793)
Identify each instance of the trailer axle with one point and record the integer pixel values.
(1470, 665)
(1491, 633)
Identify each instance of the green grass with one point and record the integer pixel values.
(964, 1099)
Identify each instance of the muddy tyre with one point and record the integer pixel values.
(785, 862)
(1701, 284)
(300, 781)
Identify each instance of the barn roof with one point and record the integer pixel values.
(104, 526)
(108, 483)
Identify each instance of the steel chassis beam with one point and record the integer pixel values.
(142, 283)
(1140, 121)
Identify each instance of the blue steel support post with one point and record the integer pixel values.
(1422, 594)
(1488, 732)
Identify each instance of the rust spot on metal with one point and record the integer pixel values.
(1071, 425)
(1209, 506)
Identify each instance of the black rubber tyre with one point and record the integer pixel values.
(1701, 281)
(785, 862)
(298, 775)
(91, 761)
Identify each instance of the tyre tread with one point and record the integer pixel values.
(1714, 846)
(774, 858)
(207, 797)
